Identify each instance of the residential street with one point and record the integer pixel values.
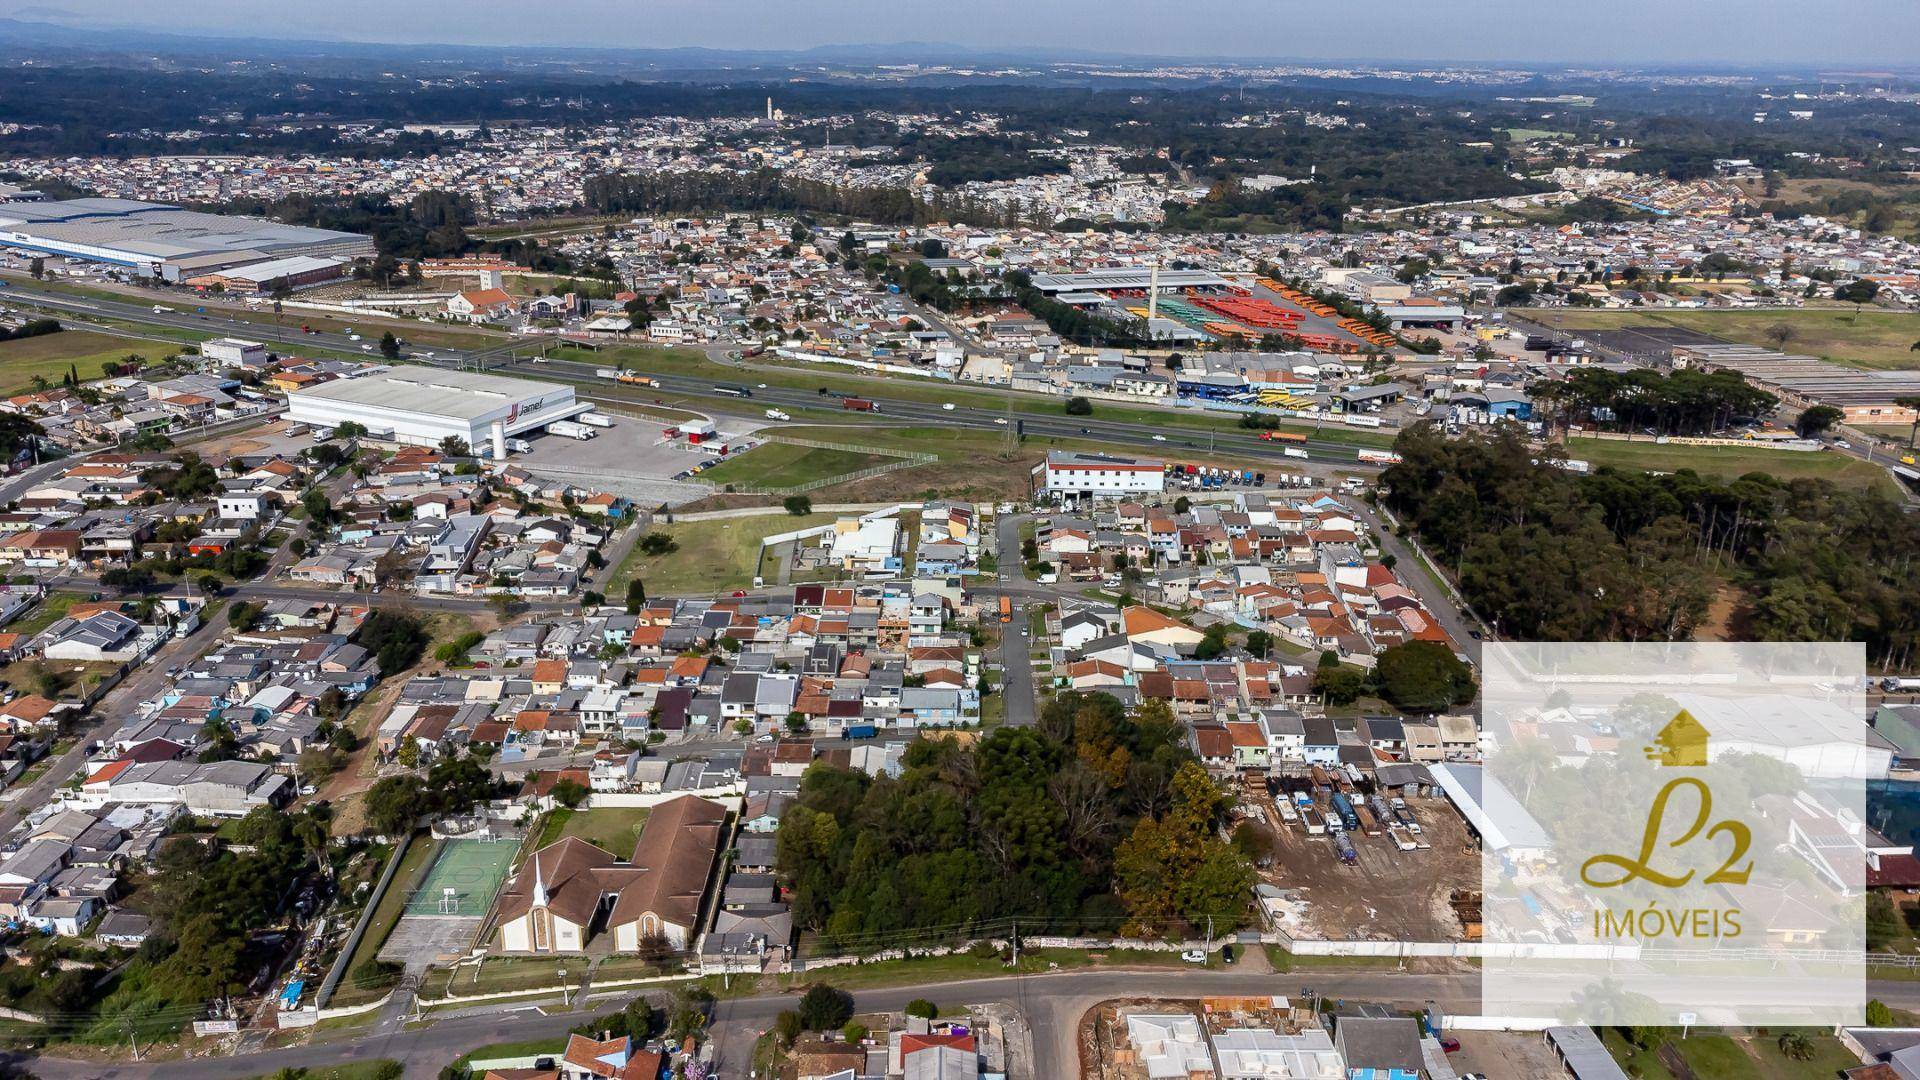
(149, 679)
(1016, 665)
(1053, 1003)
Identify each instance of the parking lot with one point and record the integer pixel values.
(633, 459)
(1387, 894)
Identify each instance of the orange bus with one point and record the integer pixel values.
(1006, 609)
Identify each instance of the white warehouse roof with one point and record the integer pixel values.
(457, 395)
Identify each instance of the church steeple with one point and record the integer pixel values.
(539, 884)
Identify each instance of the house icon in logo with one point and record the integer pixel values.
(1681, 744)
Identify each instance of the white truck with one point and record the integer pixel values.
(594, 419)
(1295, 452)
(776, 414)
(567, 429)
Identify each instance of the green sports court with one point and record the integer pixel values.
(472, 869)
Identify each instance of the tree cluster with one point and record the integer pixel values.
(1022, 826)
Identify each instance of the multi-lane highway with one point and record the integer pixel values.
(1166, 441)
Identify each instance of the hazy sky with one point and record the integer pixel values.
(1804, 32)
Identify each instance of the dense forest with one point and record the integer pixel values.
(1631, 556)
(1089, 821)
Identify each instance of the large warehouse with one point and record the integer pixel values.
(420, 406)
(165, 241)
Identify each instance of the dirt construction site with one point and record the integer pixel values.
(1385, 893)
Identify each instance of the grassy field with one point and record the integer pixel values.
(712, 555)
(51, 355)
(1731, 462)
(1870, 338)
(774, 465)
(1725, 1057)
(613, 829)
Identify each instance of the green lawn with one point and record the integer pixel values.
(712, 555)
(523, 1048)
(1728, 462)
(51, 355)
(50, 610)
(613, 829)
(1872, 338)
(774, 465)
(1713, 1056)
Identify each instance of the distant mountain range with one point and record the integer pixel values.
(57, 28)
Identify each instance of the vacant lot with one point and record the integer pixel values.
(1729, 462)
(50, 356)
(1706, 1056)
(774, 465)
(612, 829)
(710, 556)
(1870, 338)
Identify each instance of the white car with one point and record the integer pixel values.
(353, 337)
(1159, 438)
(1001, 420)
(948, 406)
(1194, 956)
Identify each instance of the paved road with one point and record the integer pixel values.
(1438, 596)
(1172, 441)
(1053, 1002)
(147, 680)
(1016, 665)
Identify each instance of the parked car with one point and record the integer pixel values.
(1194, 956)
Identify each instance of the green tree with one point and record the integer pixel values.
(569, 792)
(1818, 419)
(389, 346)
(1339, 684)
(1423, 677)
(824, 1007)
(798, 505)
(1079, 406)
(636, 596)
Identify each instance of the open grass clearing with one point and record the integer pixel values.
(710, 555)
(777, 465)
(1730, 462)
(1741, 1056)
(51, 356)
(1868, 338)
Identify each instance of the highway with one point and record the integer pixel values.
(1171, 442)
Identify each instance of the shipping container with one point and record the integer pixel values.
(569, 430)
(855, 404)
(594, 419)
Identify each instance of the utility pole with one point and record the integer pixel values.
(1016, 944)
(128, 1021)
